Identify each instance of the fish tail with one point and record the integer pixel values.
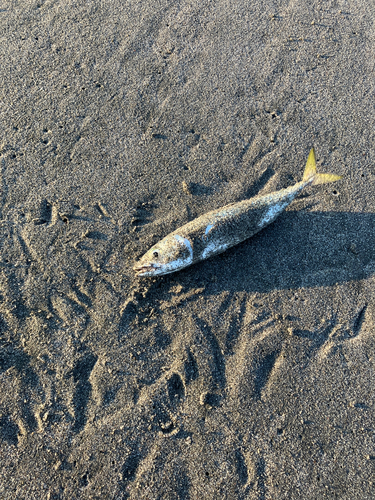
(311, 173)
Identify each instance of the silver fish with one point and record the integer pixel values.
(218, 230)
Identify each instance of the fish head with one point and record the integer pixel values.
(169, 255)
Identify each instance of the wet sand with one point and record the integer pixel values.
(247, 376)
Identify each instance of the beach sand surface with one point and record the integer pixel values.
(249, 376)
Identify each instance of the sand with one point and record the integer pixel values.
(248, 376)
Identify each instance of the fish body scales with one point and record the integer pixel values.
(218, 230)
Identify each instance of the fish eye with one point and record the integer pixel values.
(155, 254)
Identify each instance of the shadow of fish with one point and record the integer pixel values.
(218, 230)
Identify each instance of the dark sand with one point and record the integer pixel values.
(248, 376)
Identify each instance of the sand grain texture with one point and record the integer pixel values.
(247, 376)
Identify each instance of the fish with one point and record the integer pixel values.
(218, 230)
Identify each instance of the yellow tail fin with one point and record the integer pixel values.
(310, 172)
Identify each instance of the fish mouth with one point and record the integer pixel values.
(145, 269)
